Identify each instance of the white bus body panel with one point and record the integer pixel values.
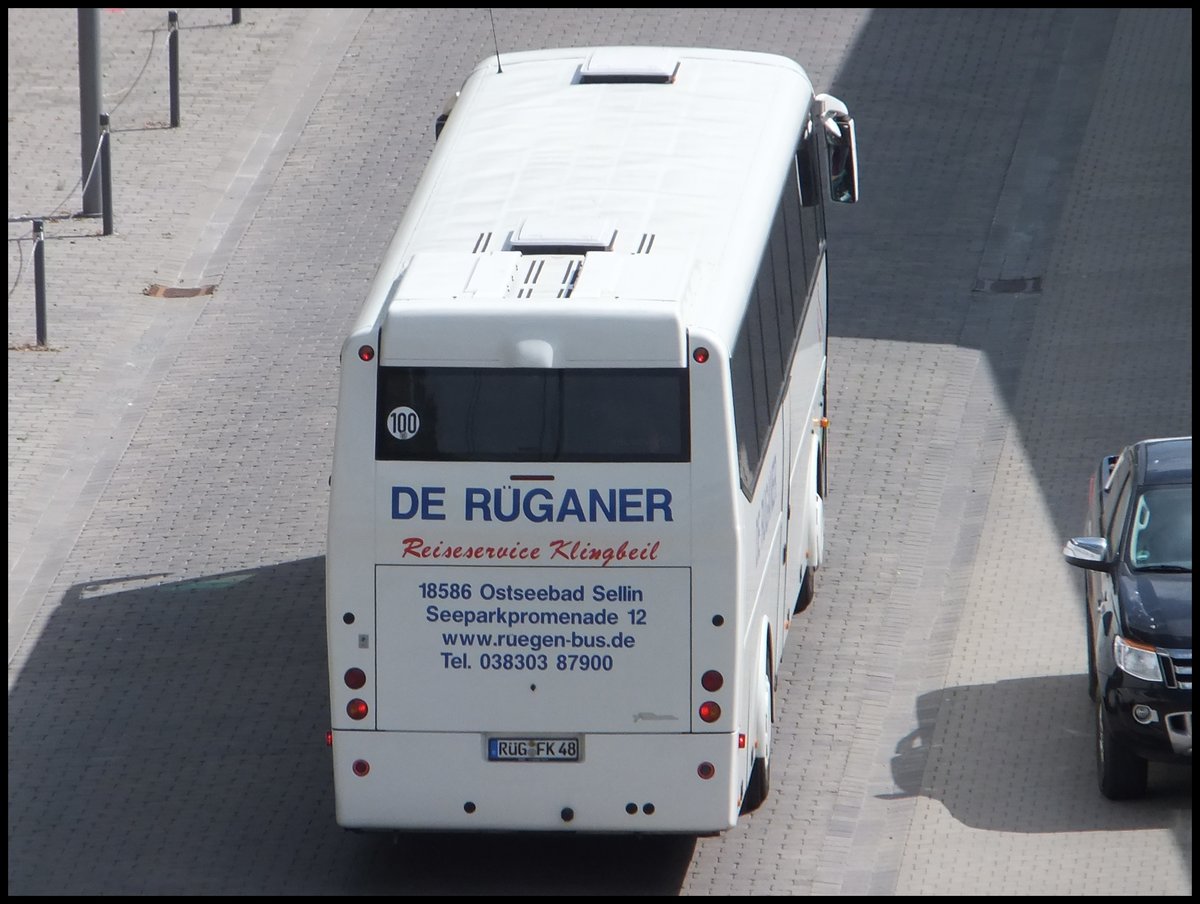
(448, 664)
(681, 164)
(443, 781)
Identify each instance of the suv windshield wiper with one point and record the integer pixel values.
(1167, 569)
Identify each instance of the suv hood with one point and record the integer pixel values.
(1157, 608)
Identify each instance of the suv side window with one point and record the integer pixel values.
(1114, 531)
(1110, 494)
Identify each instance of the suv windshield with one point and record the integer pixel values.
(1161, 536)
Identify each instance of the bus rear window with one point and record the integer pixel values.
(532, 414)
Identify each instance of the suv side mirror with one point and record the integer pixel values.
(1088, 552)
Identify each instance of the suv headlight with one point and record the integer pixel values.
(1137, 659)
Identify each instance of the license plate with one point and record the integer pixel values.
(534, 750)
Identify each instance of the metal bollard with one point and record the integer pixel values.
(91, 101)
(106, 173)
(173, 64)
(39, 281)
(237, 15)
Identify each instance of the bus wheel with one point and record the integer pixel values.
(808, 590)
(760, 773)
(818, 541)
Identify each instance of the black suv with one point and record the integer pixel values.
(1138, 589)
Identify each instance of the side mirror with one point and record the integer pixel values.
(841, 148)
(1088, 552)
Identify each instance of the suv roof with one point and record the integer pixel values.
(1164, 460)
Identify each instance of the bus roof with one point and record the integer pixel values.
(602, 185)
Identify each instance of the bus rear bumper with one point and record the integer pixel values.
(443, 781)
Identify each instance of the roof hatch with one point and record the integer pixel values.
(563, 236)
(640, 65)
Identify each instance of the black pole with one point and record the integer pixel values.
(106, 173)
(173, 64)
(90, 92)
(237, 15)
(39, 282)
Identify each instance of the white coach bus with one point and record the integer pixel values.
(580, 449)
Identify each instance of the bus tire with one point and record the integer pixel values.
(817, 555)
(759, 786)
(808, 590)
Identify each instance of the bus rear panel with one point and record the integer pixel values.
(529, 646)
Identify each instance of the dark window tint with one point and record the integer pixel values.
(528, 414)
(1162, 528)
(745, 407)
(1114, 498)
(775, 311)
(1116, 528)
(812, 211)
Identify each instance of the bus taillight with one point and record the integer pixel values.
(360, 767)
(356, 709)
(706, 770)
(700, 355)
(355, 678)
(712, 680)
(709, 711)
(366, 352)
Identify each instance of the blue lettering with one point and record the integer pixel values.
(631, 505)
(411, 495)
(571, 506)
(538, 505)
(406, 503)
(658, 500)
(542, 512)
(498, 498)
(596, 504)
(478, 498)
(431, 498)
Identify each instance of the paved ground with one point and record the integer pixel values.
(1011, 300)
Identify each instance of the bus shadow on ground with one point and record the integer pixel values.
(510, 863)
(169, 738)
(957, 755)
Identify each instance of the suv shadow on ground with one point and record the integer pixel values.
(976, 779)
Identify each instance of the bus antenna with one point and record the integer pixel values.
(494, 41)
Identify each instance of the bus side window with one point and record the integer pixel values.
(810, 172)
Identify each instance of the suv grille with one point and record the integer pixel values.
(1177, 667)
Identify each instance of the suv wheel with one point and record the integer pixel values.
(1122, 773)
